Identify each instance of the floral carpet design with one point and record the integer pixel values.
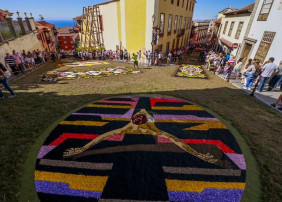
(82, 64)
(140, 149)
(101, 72)
(191, 71)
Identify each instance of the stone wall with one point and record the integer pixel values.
(28, 42)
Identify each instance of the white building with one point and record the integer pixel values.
(228, 9)
(233, 27)
(264, 39)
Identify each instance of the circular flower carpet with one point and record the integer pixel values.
(140, 149)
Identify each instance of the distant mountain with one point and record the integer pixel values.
(202, 20)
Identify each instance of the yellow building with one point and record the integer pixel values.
(129, 24)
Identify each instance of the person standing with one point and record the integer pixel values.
(139, 58)
(135, 60)
(11, 62)
(228, 56)
(169, 57)
(126, 55)
(156, 58)
(276, 79)
(238, 68)
(232, 61)
(24, 54)
(244, 72)
(3, 81)
(268, 71)
(146, 58)
(18, 60)
(175, 55)
(22, 62)
(149, 58)
(278, 102)
(53, 57)
(121, 54)
(254, 71)
(160, 57)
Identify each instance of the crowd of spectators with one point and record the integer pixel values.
(20, 62)
(226, 64)
(146, 58)
(253, 72)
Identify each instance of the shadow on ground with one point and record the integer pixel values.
(24, 119)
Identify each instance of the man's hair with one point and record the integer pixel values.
(272, 59)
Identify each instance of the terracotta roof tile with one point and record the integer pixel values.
(64, 30)
(247, 9)
(46, 24)
(6, 12)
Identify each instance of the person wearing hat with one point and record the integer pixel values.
(267, 71)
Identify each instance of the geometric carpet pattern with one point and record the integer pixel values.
(140, 149)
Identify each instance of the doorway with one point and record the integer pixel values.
(167, 47)
(173, 44)
(246, 53)
(177, 44)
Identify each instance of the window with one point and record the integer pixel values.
(188, 23)
(265, 10)
(193, 4)
(175, 23)
(169, 24)
(265, 45)
(65, 42)
(178, 2)
(240, 26)
(225, 27)
(167, 47)
(219, 31)
(172, 1)
(180, 24)
(280, 5)
(185, 21)
(187, 5)
(162, 22)
(231, 28)
(182, 3)
(173, 44)
(64, 37)
(160, 48)
(66, 46)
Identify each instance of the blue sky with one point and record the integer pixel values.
(207, 9)
(67, 9)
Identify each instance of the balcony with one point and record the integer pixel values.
(180, 32)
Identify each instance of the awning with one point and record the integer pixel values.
(226, 42)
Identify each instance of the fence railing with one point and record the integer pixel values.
(5, 30)
(10, 28)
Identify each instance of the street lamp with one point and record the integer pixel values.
(153, 37)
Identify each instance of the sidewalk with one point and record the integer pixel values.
(267, 97)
